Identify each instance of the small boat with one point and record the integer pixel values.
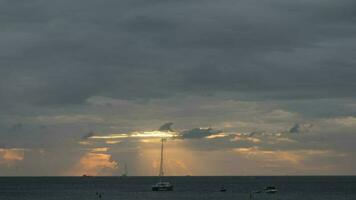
(270, 190)
(222, 189)
(162, 185)
(98, 195)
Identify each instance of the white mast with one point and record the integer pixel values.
(161, 173)
(162, 185)
(125, 169)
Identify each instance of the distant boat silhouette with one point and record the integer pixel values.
(270, 190)
(125, 171)
(162, 185)
(98, 195)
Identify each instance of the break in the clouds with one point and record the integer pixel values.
(249, 82)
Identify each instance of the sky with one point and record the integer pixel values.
(237, 87)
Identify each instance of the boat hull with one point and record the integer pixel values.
(271, 191)
(166, 188)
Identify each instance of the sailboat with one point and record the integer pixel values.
(162, 185)
(125, 172)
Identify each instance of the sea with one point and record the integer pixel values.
(185, 188)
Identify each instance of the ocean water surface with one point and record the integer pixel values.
(185, 188)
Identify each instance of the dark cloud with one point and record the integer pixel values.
(182, 61)
(300, 128)
(88, 135)
(166, 127)
(254, 133)
(197, 133)
(63, 53)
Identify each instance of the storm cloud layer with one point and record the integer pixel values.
(72, 50)
(270, 75)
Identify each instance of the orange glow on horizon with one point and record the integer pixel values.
(11, 156)
(94, 164)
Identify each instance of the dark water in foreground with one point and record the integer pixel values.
(186, 188)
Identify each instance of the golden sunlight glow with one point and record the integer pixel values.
(153, 134)
(112, 141)
(10, 156)
(283, 140)
(270, 156)
(244, 138)
(85, 143)
(151, 140)
(100, 149)
(111, 136)
(295, 157)
(137, 134)
(93, 164)
(178, 160)
(219, 135)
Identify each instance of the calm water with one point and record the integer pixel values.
(186, 188)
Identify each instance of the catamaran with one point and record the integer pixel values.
(162, 185)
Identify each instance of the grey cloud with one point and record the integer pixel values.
(88, 135)
(16, 127)
(300, 128)
(254, 133)
(292, 55)
(166, 127)
(296, 128)
(197, 133)
(97, 48)
(265, 140)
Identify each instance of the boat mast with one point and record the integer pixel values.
(125, 169)
(161, 173)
